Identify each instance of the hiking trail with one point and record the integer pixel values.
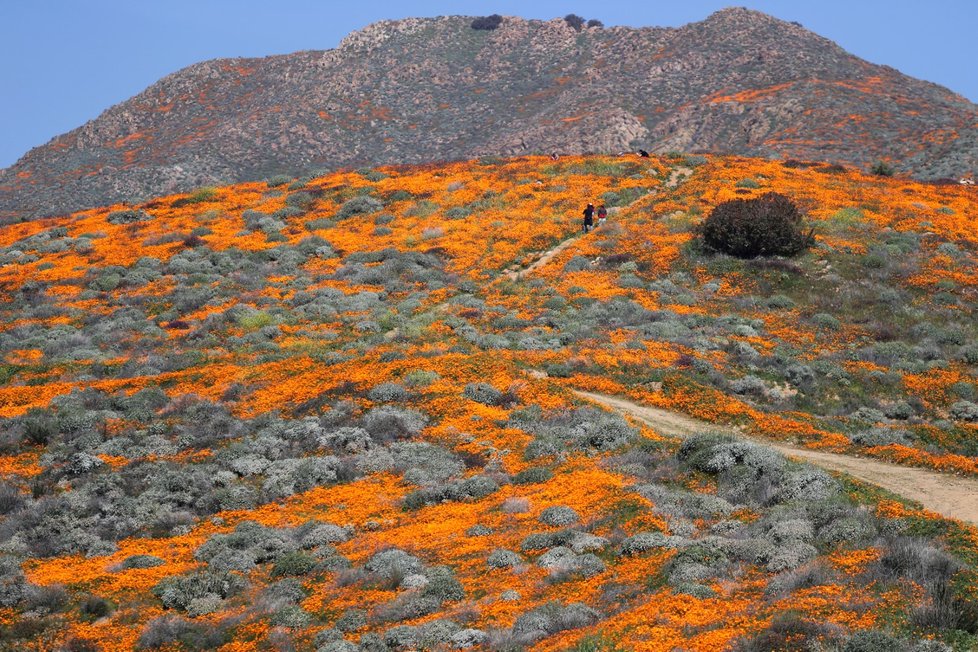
(949, 495)
(550, 254)
(676, 177)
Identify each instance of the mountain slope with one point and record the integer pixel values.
(326, 414)
(419, 90)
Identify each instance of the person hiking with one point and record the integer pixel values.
(643, 153)
(602, 214)
(588, 217)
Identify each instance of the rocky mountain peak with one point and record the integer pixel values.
(423, 89)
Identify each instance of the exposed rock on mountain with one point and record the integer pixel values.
(431, 89)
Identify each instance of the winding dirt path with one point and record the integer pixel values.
(948, 495)
(676, 177)
(516, 274)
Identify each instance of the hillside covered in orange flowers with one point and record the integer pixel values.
(339, 414)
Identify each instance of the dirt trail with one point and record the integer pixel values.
(948, 495)
(676, 176)
(547, 256)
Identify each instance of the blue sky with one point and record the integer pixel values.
(67, 60)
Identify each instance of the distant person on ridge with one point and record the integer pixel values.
(554, 156)
(602, 214)
(643, 153)
(588, 217)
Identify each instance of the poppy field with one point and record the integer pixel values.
(338, 413)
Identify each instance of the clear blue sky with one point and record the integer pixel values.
(66, 61)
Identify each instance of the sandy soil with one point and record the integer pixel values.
(948, 495)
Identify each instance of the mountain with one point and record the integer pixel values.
(418, 90)
(413, 407)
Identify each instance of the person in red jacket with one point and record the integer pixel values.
(602, 214)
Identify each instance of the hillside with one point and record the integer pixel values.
(420, 90)
(342, 413)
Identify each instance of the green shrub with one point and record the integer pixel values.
(964, 411)
(397, 195)
(352, 620)
(106, 282)
(796, 164)
(764, 226)
(76, 644)
(969, 354)
(141, 561)
(845, 219)
(301, 200)
(423, 208)
(622, 197)
(533, 475)
(826, 321)
(39, 426)
(180, 591)
(875, 260)
(789, 631)
(833, 168)
(200, 196)
(443, 585)
(127, 216)
(457, 213)
(599, 167)
(358, 206)
(747, 183)
(286, 212)
(420, 378)
(291, 616)
(432, 233)
(255, 320)
(278, 180)
(174, 632)
(882, 169)
(95, 607)
(484, 393)
(371, 175)
(319, 224)
(597, 643)
(293, 563)
(780, 302)
(871, 641)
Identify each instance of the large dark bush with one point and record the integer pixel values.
(764, 226)
(575, 21)
(487, 22)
